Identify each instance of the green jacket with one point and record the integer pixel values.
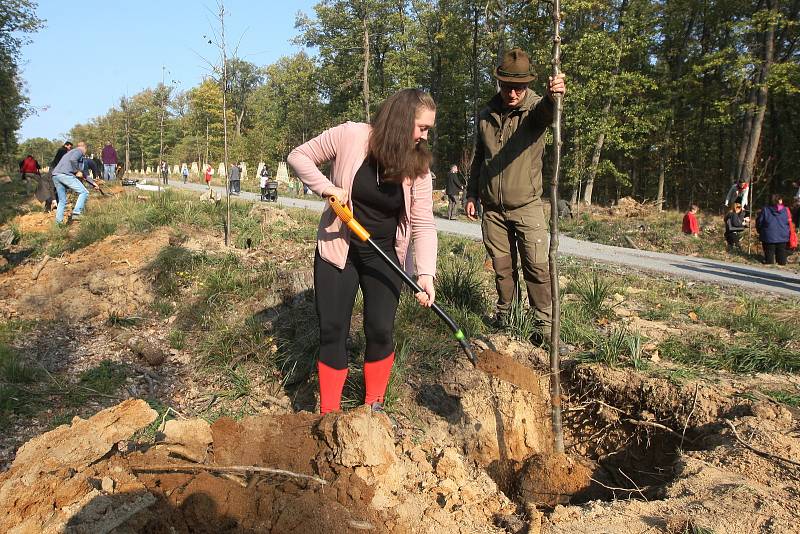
(506, 171)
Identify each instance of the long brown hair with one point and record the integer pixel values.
(391, 143)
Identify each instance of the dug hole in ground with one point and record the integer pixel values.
(644, 454)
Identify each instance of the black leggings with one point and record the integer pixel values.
(335, 292)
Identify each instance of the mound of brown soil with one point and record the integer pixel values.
(289, 473)
(104, 278)
(551, 479)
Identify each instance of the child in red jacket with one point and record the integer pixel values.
(690, 225)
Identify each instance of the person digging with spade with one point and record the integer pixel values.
(381, 171)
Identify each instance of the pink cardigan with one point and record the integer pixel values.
(346, 146)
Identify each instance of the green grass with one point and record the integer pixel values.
(592, 290)
(12, 194)
(520, 322)
(784, 397)
(13, 370)
(679, 375)
(746, 354)
(459, 283)
(177, 339)
(104, 378)
(591, 229)
(115, 319)
(577, 326)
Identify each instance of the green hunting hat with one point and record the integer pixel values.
(516, 67)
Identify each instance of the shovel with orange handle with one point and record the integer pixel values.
(344, 213)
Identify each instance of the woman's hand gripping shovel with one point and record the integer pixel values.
(344, 213)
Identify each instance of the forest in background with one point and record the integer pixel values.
(678, 96)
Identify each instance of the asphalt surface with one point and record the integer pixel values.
(748, 277)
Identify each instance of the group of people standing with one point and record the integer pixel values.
(381, 171)
(775, 223)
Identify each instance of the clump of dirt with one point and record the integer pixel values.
(509, 370)
(548, 480)
(105, 278)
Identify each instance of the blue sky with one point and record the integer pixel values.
(93, 52)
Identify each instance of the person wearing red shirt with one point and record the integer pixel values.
(690, 225)
(29, 169)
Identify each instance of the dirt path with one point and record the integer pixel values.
(705, 270)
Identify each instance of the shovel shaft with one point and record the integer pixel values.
(346, 216)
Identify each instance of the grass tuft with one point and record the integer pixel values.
(592, 291)
(459, 284)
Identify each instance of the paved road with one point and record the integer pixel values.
(719, 272)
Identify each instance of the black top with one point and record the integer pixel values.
(377, 206)
(734, 222)
(59, 154)
(455, 183)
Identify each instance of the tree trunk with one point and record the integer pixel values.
(239, 120)
(127, 140)
(475, 69)
(761, 101)
(747, 128)
(598, 148)
(661, 172)
(501, 30)
(366, 66)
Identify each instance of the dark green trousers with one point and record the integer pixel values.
(513, 235)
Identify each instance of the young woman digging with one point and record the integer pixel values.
(382, 173)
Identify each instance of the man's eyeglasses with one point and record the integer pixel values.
(517, 87)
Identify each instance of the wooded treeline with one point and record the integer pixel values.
(679, 95)
(17, 18)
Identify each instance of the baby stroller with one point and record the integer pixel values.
(272, 191)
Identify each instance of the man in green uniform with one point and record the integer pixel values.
(506, 175)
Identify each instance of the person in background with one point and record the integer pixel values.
(164, 172)
(185, 172)
(564, 209)
(738, 194)
(46, 192)
(453, 189)
(29, 169)
(690, 224)
(66, 176)
(735, 225)
(506, 176)
(91, 171)
(774, 230)
(263, 179)
(235, 177)
(109, 157)
(381, 171)
(208, 174)
(796, 212)
(62, 150)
